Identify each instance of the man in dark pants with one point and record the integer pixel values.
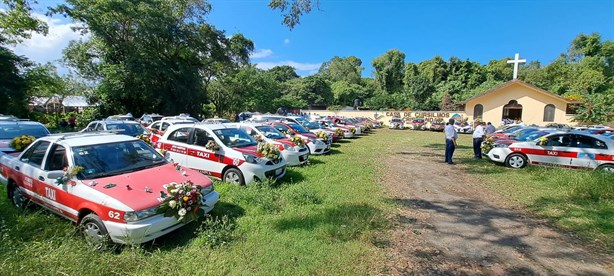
(451, 137)
(478, 138)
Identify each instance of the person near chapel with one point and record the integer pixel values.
(490, 129)
(478, 138)
(72, 122)
(451, 136)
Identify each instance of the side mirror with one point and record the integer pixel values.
(55, 174)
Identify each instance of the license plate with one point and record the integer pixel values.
(279, 171)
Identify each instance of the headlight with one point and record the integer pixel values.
(500, 146)
(139, 215)
(320, 143)
(251, 158)
(312, 140)
(290, 148)
(207, 189)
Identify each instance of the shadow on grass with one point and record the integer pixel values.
(442, 146)
(343, 141)
(184, 235)
(343, 223)
(333, 151)
(292, 176)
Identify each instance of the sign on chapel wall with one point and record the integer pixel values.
(428, 116)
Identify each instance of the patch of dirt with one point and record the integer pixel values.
(448, 223)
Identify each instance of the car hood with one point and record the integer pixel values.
(249, 150)
(130, 188)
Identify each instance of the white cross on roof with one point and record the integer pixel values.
(516, 61)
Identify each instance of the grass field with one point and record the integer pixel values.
(322, 219)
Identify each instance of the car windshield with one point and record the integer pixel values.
(103, 160)
(511, 129)
(10, 131)
(235, 138)
(128, 129)
(311, 125)
(532, 136)
(270, 132)
(298, 128)
(522, 132)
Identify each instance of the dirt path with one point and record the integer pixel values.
(448, 224)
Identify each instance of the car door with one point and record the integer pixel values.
(589, 151)
(176, 145)
(556, 151)
(33, 175)
(200, 158)
(58, 197)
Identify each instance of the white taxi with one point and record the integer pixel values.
(569, 149)
(110, 185)
(221, 151)
(295, 155)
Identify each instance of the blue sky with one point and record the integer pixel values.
(478, 30)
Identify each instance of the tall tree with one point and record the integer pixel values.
(342, 69)
(282, 73)
(151, 55)
(435, 69)
(389, 70)
(293, 10)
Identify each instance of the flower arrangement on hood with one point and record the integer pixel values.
(212, 146)
(339, 131)
(297, 141)
(69, 173)
(322, 135)
(543, 140)
(269, 151)
(21, 143)
(181, 200)
(487, 144)
(258, 138)
(353, 130)
(144, 138)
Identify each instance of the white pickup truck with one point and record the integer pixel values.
(110, 185)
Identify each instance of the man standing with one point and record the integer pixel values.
(478, 138)
(451, 137)
(490, 129)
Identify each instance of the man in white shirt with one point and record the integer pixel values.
(478, 138)
(451, 137)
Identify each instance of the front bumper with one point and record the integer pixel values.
(319, 148)
(258, 172)
(295, 158)
(498, 154)
(152, 227)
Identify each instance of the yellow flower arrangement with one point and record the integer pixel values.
(297, 141)
(21, 143)
(488, 144)
(212, 146)
(144, 138)
(322, 135)
(353, 130)
(339, 131)
(258, 138)
(269, 151)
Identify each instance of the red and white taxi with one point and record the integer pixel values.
(293, 154)
(572, 150)
(221, 151)
(158, 128)
(316, 145)
(115, 195)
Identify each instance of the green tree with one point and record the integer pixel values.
(342, 69)
(17, 23)
(292, 10)
(152, 55)
(389, 70)
(345, 93)
(12, 83)
(282, 73)
(420, 89)
(435, 69)
(312, 90)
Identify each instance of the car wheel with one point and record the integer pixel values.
(234, 176)
(516, 161)
(606, 168)
(95, 232)
(16, 196)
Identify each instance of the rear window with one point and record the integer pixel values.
(14, 130)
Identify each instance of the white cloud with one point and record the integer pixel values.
(43, 49)
(286, 41)
(308, 68)
(261, 53)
